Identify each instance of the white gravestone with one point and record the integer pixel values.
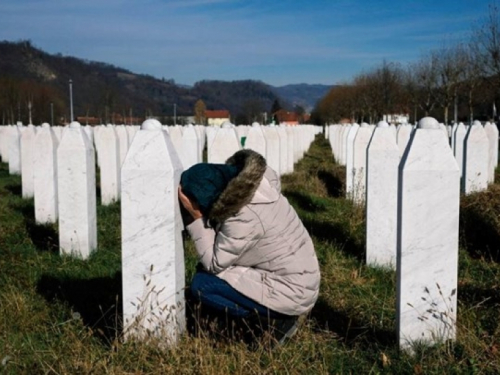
(382, 198)
(76, 193)
(343, 144)
(361, 141)
(492, 133)
(89, 131)
(296, 144)
(349, 158)
(131, 130)
(459, 139)
(200, 132)
(290, 148)
(283, 149)
(476, 159)
(427, 247)
(122, 137)
(27, 168)
(152, 247)
(4, 143)
(58, 131)
(225, 143)
(45, 176)
(273, 148)
(256, 140)
(175, 134)
(403, 136)
(109, 156)
(190, 147)
(15, 150)
(452, 137)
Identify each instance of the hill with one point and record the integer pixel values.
(110, 93)
(302, 94)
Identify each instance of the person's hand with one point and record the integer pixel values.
(191, 206)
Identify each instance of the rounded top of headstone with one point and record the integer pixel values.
(487, 123)
(476, 122)
(75, 125)
(255, 124)
(428, 123)
(365, 125)
(226, 125)
(461, 124)
(151, 124)
(382, 124)
(109, 125)
(45, 125)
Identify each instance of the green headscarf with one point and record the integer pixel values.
(205, 182)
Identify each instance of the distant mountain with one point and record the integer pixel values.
(100, 90)
(302, 94)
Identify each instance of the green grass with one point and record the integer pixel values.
(60, 315)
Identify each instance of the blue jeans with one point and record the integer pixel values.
(217, 294)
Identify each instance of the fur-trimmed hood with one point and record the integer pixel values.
(241, 189)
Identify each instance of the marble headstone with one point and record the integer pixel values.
(225, 143)
(273, 148)
(45, 176)
(27, 168)
(427, 242)
(256, 140)
(349, 176)
(361, 141)
(476, 160)
(152, 248)
(382, 198)
(76, 193)
(109, 156)
(15, 150)
(189, 154)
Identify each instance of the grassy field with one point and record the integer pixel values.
(60, 315)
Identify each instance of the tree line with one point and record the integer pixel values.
(455, 82)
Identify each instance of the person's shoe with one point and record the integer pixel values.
(284, 329)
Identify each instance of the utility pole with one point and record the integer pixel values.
(175, 113)
(29, 112)
(455, 115)
(71, 99)
(51, 113)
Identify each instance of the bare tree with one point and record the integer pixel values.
(199, 112)
(472, 74)
(426, 75)
(450, 65)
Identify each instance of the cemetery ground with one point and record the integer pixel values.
(60, 315)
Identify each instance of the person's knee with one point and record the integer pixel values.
(199, 283)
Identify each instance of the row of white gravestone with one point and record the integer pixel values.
(475, 148)
(408, 225)
(282, 146)
(152, 253)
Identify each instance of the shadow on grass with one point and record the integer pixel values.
(335, 233)
(485, 301)
(333, 183)
(481, 236)
(349, 329)
(98, 301)
(306, 202)
(43, 236)
(15, 189)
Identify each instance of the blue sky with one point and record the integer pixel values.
(278, 42)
